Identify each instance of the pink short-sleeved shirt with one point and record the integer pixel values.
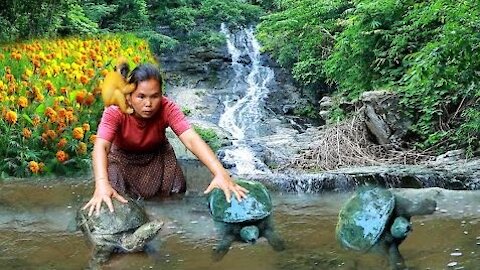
(138, 134)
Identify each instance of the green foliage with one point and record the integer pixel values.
(426, 51)
(186, 111)
(209, 136)
(301, 36)
(196, 23)
(158, 42)
(28, 18)
(336, 115)
(76, 22)
(306, 111)
(127, 15)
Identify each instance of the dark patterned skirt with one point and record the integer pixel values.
(145, 175)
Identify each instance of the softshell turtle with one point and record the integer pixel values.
(127, 229)
(246, 220)
(376, 219)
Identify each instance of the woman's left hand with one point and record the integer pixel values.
(228, 186)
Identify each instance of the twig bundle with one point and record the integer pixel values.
(348, 144)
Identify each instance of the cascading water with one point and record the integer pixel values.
(244, 116)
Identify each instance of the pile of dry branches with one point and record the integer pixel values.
(348, 144)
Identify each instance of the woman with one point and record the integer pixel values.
(131, 154)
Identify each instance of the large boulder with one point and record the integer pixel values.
(383, 117)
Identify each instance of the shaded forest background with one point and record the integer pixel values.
(425, 51)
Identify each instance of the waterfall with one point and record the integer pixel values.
(244, 115)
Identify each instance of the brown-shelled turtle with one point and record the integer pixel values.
(375, 219)
(127, 229)
(246, 220)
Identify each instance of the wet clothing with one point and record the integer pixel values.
(145, 174)
(141, 162)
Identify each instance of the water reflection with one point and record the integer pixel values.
(34, 220)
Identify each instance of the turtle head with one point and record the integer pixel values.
(400, 227)
(249, 234)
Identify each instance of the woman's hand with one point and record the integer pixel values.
(103, 193)
(205, 154)
(225, 183)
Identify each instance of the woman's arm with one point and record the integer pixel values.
(221, 178)
(103, 190)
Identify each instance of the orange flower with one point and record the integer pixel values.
(136, 59)
(80, 96)
(61, 113)
(27, 133)
(51, 114)
(78, 133)
(92, 138)
(83, 79)
(44, 137)
(49, 85)
(34, 167)
(39, 97)
(61, 126)
(90, 99)
(81, 148)
(22, 102)
(11, 117)
(86, 126)
(61, 156)
(36, 120)
(62, 142)
(69, 115)
(51, 134)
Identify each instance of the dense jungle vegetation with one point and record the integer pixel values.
(425, 51)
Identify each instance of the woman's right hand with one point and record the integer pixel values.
(103, 193)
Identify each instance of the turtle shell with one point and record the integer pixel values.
(126, 217)
(257, 205)
(362, 219)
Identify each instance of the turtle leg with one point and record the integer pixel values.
(100, 255)
(395, 258)
(272, 236)
(145, 233)
(223, 246)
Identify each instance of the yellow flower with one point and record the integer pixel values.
(36, 120)
(92, 138)
(22, 102)
(51, 114)
(11, 117)
(78, 133)
(28, 72)
(86, 127)
(81, 148)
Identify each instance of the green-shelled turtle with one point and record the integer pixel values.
(246, 220)
(376, 219)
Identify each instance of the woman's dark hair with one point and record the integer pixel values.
(145, 72)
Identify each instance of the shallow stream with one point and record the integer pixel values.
(36, 218)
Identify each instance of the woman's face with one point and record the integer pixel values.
(145, 100)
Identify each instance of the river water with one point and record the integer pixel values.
(36, 231)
